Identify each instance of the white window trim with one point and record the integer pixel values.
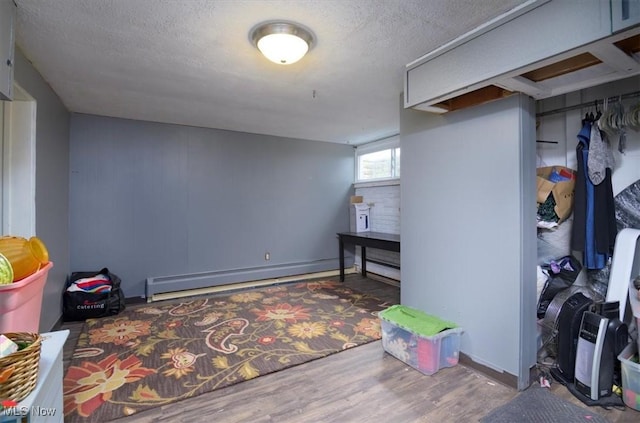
(382, 144)
(377, 183)
(372, 147)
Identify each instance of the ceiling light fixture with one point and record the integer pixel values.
(283, 43)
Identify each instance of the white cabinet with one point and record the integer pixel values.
(7, 42)
(520, 39)
(624, 14)
(45, 403)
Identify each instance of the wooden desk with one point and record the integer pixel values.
(382, 241)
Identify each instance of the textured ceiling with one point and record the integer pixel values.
(191, 62)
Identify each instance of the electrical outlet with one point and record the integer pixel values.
(267, 256)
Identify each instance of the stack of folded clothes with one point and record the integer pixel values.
(95, 284)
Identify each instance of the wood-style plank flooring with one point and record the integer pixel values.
(363, 384)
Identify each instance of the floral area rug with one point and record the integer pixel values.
(158, 354)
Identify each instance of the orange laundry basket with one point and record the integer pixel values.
(21, 302)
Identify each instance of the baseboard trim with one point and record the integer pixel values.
(385, 270)
(502, 377)
(381, 278)
(58, 324)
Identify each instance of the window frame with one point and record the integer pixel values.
(390, 143)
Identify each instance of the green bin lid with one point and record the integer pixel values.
(416, 321)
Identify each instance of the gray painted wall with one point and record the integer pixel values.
(468, 226)
(52, 183)
(155, 200)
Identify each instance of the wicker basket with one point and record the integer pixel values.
(25, 365)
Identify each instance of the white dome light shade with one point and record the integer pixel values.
(283, 43)
(283, 49)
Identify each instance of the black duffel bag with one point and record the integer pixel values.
(81, 305)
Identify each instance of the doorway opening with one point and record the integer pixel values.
(18, 164)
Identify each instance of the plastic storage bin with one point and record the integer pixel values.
(630, 376)
(407, 342)
(635, 307)
(21, 302)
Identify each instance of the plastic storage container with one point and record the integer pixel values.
(630, 376)
(21, 302)
(635, 307)
(407, 342)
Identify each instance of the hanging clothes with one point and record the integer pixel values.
(606, 225)
(594, 223)
(600, 155)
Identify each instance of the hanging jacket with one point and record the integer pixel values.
(600, 155)
(594, 228)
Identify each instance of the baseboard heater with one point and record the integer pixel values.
(383, 263)
(387, 270)
(167, 287)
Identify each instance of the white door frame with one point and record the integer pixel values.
(19, 165)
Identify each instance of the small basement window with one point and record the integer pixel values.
(378, 160)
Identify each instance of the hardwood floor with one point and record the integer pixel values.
(363, 384)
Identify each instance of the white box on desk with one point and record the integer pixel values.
(360, 217)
